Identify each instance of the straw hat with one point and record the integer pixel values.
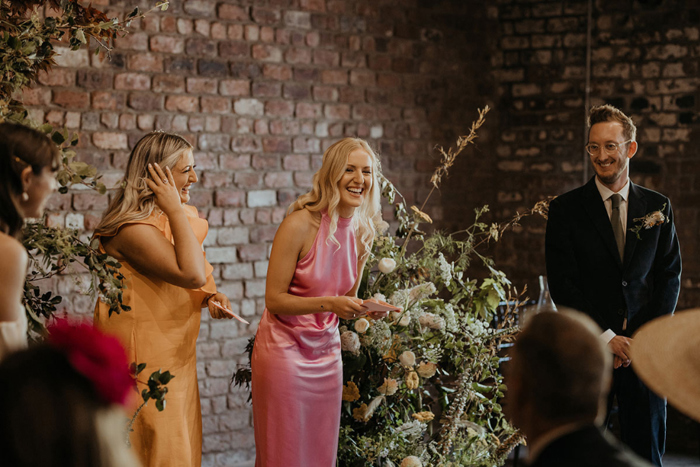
(666, 356)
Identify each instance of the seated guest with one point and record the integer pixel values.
(60, 401)
(558, 381)
(666, 353)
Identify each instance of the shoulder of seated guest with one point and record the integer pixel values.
(13, 253)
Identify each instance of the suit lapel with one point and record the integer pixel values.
(595, 208)
(636, 208)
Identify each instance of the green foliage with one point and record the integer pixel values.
(155, 390)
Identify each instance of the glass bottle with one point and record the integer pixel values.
(545, 302)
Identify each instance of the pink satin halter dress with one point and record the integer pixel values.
(297, 369)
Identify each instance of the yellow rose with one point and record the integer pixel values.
(351, 392)
(412, 380)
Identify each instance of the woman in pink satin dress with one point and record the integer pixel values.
(315, 269)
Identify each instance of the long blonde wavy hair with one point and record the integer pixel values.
(133, 200)
(325, 194)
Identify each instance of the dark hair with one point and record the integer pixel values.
(608, 113)
(20, 147)
(48, 411)
(563, 366)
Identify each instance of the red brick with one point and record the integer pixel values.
(276, 144)
(71, 99)
(267, 53)
(150, 23)
(313, 39)
(313, 5)
(284, 127)
(388, 80)
(89, 201)
(334, 76)
(132, 81)
(182, 103)
(233, 12)
(36, 96)
(234, 49)
(260, 127)
(265, 16)
(145, 62)
(168, 83)
(278, 72)
(297, 55)
(325, 57)
(106, 100)
(297, 91)
(247, 179)
(362, 78)
(216, 104)
(252, 252)
(303, 179)
(279, 108)
(167, 44)
(325, 93)
(354, 60)
(352, 95)
(267, 34)
(168, 24)
(296, 162)
(57, 77)
(132, 41)
(219, 31)
(251, 32)
(267, 89)
(202, 85)
(337, 111)
(278, 180)
(145, 101)
(235, 87)
(306, 110)
(202, 27)
(200, 47)
(306, 145)
(310, 75)
(228, 197)
(235, 32)
(204, 8)
(363, 112)
(246, 144)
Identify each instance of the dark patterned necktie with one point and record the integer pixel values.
(617, 225)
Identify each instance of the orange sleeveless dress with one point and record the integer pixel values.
(161, 330)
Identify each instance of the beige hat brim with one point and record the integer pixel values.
(666, 356)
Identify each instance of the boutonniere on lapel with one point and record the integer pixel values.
(647, 222)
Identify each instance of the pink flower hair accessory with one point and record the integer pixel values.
(95, 355)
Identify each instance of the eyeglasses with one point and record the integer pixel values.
(609, 148)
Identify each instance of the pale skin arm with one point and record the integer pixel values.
(144, 247)
(294, 237)
(12, 276)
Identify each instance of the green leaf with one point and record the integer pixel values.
(58, 138)
(166, 377)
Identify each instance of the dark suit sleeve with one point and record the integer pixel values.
(562, 268)
(667, 268)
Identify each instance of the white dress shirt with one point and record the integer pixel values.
(606, 194)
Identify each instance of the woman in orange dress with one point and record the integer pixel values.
(158, 240)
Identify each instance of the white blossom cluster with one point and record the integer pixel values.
(445, 269)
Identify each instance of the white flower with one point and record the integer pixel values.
(389, 387)
(405, 320)
(350, 342)
(361, 325)
(411, 461)
(445, 269)
(421, 291)
(379, 296)
(654, 218)
(426, 369)
(408, 358)
(399, 298)
(429, 320)
(387, 265)
(381, 226)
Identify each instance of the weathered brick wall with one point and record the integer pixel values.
(261, 89)
(644, 59)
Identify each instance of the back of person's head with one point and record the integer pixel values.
(57, 402)
(21, 147)
(134, 200)
(562, 367)
(608, 113)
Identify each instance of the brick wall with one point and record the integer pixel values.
(261, 89)
(644, 60)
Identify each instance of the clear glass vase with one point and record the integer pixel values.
(545, 302)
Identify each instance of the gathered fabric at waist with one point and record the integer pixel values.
(316, 333)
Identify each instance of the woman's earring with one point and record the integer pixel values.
(25, 196)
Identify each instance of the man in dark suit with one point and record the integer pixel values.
(612, 252)
(557, 385)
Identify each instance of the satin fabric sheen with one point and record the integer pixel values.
(161, 330)
(297, 369)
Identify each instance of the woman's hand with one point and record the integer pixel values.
(347, 307)
(216, 312)
(376, 314)
(163, 186)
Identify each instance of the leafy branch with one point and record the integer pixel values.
(156, 390)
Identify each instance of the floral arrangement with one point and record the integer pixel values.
(647, 222)
(422, 387)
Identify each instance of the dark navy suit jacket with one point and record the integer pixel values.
(584, 269)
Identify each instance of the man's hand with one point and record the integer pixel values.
(620, 346)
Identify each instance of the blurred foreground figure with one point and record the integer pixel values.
(558, 381)
(60, 402)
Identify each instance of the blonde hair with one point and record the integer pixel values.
(133, 200)
(325, 194)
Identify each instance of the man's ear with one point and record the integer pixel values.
(632, 150)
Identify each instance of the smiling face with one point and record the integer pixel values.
(355, 183)
(184, 175)
(611, 169)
